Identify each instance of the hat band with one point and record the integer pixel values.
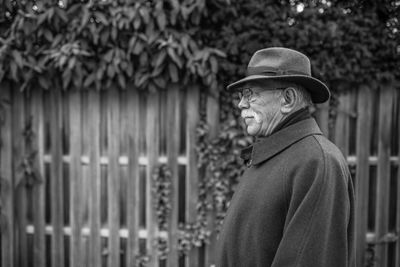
(269, 71)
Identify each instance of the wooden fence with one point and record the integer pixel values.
(90, 203)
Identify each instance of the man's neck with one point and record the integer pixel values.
(292, 118)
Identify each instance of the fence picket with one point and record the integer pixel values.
(173, 135)
(364, 115)
(56, 178)
(191, 169)
(113, 179)
(397, 251)
(75, 178)
(383, 172)
(212, 121)
(39, 253)
(19, 156)
(133, 177)
(8, 241)
(94, 177)
(322, 117)
(341, 137)
(152, 146)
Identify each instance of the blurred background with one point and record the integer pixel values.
(119, 145)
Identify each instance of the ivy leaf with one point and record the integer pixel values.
(110, 71)
(18, 58)
(13, 68)
(89, 80)
(214, 64)
(173, 72)
(108, 56)
(161, 20)
(66, 78)
(121, 81)
(136, 23)
(44, 83)
(160, 82)
(174, 57)
(144, 13)
(101, 17)
(159, 59)
(61, 14)
(85, 17)
(138, 48)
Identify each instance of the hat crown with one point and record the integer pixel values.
(279, 60)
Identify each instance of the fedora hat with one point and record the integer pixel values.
(278, 63)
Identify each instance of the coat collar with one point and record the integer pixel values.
(265, 148)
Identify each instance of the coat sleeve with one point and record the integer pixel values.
(318, 227)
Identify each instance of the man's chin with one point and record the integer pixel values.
(251, 131)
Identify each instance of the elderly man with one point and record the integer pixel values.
(294, 205)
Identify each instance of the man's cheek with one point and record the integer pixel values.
(257, 117)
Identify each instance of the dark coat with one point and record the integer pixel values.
(293, 207)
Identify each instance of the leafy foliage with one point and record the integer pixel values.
(101, 43)
(349, 42)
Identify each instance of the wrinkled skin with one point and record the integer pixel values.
(262, 113)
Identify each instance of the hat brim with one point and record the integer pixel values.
(319, 92)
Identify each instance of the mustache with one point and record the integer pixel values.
(248, 113)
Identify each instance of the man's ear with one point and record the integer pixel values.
(289, 100)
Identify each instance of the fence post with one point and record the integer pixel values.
(364, 115)
(7, 182)
(113, 182)
(39, 252)
(75, 175)
(213, 123)
(152, 148)
(322, 117)
(173, 135)
(383, 172)
(191, 169)
(94, 257)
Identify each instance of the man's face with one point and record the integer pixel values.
(260, 107)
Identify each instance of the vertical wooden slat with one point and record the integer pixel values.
(7, 182)
(213, 122)
(341, 138)
(75, 178)
(152, 146)
(191, 170)
(397, 252)
(364, 115)
(94, 258)
(322, 117)
(56, 177)
(383, 171)
(39, 252)
(173, 137)
(19, 124)
(113, 178)
(133, 176)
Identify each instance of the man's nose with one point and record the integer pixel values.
(243, 103)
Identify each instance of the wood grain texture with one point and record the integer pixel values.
(173, 137)
(192, 179)
(383, 173)
(133, 177)
(75, 172)
(364, 121)
(7, 181)
(56, 178)
(152, 146)
(39, 252)
(113, 178)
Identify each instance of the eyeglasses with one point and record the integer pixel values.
(250, 96)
